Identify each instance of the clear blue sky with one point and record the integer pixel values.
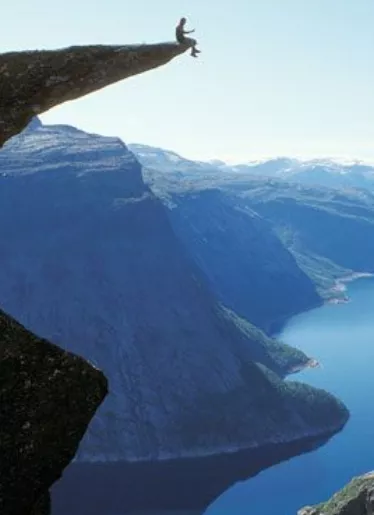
(276, 77)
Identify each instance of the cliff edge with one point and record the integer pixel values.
(32, 82)
(47, 398)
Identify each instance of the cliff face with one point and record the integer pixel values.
(247, 263)
(248, 266)
(48, 397)
(318, 234)
(329, 232)
(34, 81)
(357, 498)
(93, 263)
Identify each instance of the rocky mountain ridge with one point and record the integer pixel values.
(99, 269)
(326, 172)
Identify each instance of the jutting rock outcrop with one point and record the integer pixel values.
(32, 82)
(47, 395)
(47, 398)
(357, 498)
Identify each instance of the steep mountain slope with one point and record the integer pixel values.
(329, 233)
(91, 261)
(247, 265)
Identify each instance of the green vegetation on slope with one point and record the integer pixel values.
(356, 498)
(331, 234)
(278, 356)
(266, 404)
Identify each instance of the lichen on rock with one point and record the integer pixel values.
(32, 82)
(356, 498)
(47, 398)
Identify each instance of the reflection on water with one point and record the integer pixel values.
(341, 337)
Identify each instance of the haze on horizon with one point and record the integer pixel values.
(275, 77)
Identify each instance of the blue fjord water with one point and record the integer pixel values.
(341, 337)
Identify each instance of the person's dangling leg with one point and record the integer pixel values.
(195, 51)
(192, 43)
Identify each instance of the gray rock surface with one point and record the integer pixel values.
(32, 82)
(47, 398)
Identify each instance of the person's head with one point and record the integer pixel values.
(182, 21)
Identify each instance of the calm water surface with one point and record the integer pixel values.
(341, 337)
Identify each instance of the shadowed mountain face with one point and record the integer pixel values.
(47, 395)
(92, 261)
(47, 398)
(248, 266)
(34, 81)
(318, 235)
(318, 224)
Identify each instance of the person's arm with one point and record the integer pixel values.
(188, 31)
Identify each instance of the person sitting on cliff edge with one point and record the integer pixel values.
(180, 34)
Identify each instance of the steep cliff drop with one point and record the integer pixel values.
(192, 408)
(203, 396)
(34, 81)
(47, 398)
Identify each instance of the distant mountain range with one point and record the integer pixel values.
(327, 230)
(322, 172)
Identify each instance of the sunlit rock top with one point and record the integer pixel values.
(32, 82)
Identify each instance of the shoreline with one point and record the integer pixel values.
(311, 363)
(338, 290)
(184, 486)
(339, 287)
